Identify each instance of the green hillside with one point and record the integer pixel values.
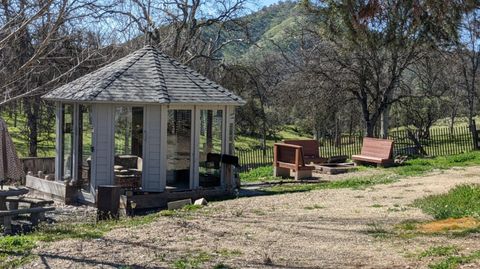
(274, 22)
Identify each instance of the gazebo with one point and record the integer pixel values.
(146, 122)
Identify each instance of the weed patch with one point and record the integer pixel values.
(15, 251)
(261, 174)
(377, 230)
(439, 251)
(315, 206)
(461, 201)
(192, 261)
(454, 261)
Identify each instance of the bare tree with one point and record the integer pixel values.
(42, 45)
(468, 51)
(372, 43)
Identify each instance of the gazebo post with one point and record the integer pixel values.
(163, 147)
(196, 150)
(75, 135)
(58, 141)
(229, 135)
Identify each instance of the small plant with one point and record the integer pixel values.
(237, 213)
(408, 225)
(397, 208)
(229, 253)
(192, 261)
(259, 212)
(267, 260)
(376, 230)
(376, 205)
(452, 261)
(315, 206)
(439, 251)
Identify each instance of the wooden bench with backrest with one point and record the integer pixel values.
(376, 151)
(288, 161)
(35, 216)
(310, 150)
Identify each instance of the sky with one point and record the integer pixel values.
(262, 3)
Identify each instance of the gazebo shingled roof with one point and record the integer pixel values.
(145, 76)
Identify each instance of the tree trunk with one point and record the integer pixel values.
(338, 133)
(385, 123)
(369, 128)
(15, 114)
(453, 115)
(32, 106)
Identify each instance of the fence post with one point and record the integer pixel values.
(473, 129)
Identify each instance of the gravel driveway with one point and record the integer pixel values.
(317, 229)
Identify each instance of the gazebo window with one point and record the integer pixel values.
(85, 146)
(210, 147)
(67, 139)
(179, 137)
(128, 160)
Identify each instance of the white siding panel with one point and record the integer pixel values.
(152, 149)
(103, 119)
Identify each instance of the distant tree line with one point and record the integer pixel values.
(370, 66)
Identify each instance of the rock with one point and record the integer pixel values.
(201, 201)
(179, 204)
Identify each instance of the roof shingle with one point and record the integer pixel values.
(145, 76)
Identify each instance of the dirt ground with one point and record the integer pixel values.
(317, 229)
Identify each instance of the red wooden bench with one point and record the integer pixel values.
(288, 161)
(376, 151)
(310, 150)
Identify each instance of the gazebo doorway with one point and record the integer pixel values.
(128, 146)
(179, 149)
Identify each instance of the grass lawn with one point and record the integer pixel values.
(413, 167)
(46, 145)
(420, 166)
(288, 132)
(462, 201)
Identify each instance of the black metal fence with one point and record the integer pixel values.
(250, 159)
(439, 141)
